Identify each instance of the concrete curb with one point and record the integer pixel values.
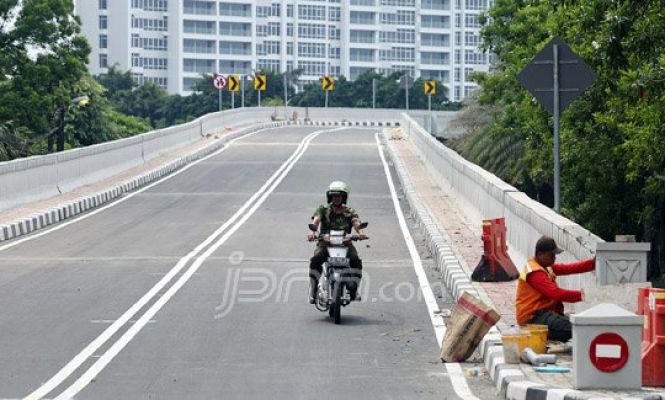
(70, 209)
(368, 124)
(509, 379)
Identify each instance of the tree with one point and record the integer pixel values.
(49, 29)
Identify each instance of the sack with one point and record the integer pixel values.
(470, 320)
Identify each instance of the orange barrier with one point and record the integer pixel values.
(495, 264)
(651, 302)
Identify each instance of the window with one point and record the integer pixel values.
(362, 55)
(368, 3)
(103, 22)
(235, 10)
(476, 4)
(402, 17)
(311, 31)
(199, 27)
(434, 58)
(458, 20)
(272, 10)
(355, 72)
(150, 5)
(189, 83)
(473, 57)
(314, 68)
(399, 36)
(235, 48)
(471, 21)
(467, 73)
(289, 29)
(435, 21)
(235, 29)
(102, 5)
(334, 33)
(334, 52)
(289, 48)
(199, 66)
(235, 67)
(103, 60)
(150, 24)
(435, 39)
(399, 3)
(458, 56)
(458, 74)
(403, 54)
(270, 65)
(435, 4)
(199, 7)
(441, 76)
(272, 29)
(362, 36)
(154, 63)
(103, 42)
(471, 39)
(267, 48)
(458, 38)
(313, 13)
(199, 46)
(149, 43)
(289, 10)
(334, 14)
(311, 50)
(362, 18)
(458, 93)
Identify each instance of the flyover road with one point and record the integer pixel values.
(195, 288)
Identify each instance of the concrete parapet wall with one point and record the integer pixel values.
(483, 195)
(40, 177)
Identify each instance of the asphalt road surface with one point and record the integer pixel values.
(196, 287)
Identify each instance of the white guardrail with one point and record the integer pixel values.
(482, 195)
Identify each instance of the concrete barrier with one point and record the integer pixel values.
(481, 194)
(36, 178)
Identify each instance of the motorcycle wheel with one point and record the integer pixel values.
(336, 306)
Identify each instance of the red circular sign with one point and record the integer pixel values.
(608, 352)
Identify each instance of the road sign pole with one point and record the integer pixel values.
(557, 166)
(429, 108)
(326, 99)
(373, 92)
(233, 99)
(286, 99)
(259, 98)
(407, 93)
(242, 93)
(220, 99)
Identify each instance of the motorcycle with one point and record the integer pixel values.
(333, 286)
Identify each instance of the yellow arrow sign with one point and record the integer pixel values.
(328, 83)
(234, 83)
(430, 87)
(260, 82)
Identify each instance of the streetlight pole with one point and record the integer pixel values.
(242, 92)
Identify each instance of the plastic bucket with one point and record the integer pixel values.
(537, 337)
(513, 345)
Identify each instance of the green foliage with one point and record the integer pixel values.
(612, 137)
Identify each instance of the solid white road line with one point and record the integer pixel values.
(129, 196)
(80, 358)
(454, 370)
(108, 356)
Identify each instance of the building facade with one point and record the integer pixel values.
(173, 42)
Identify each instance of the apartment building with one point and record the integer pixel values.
(173, 42)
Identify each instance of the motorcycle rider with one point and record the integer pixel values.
(335, 216)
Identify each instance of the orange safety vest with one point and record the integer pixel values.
(528, 300)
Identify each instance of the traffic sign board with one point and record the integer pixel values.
(234, 83)
(219, 81)
(328, 83)
(405, 81)
(608, 352)
(574, 75)
(260, 82)
(430, 87)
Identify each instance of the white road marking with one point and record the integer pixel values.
(454, 369)
(80, 358)
(264, 192)
(129, 196)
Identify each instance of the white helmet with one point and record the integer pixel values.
(337, 187)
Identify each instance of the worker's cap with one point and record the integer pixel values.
(545, 244)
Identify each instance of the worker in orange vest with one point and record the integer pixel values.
(539, 300)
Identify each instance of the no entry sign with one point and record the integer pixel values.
(608, 352)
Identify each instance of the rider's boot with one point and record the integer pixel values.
(353, 291)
